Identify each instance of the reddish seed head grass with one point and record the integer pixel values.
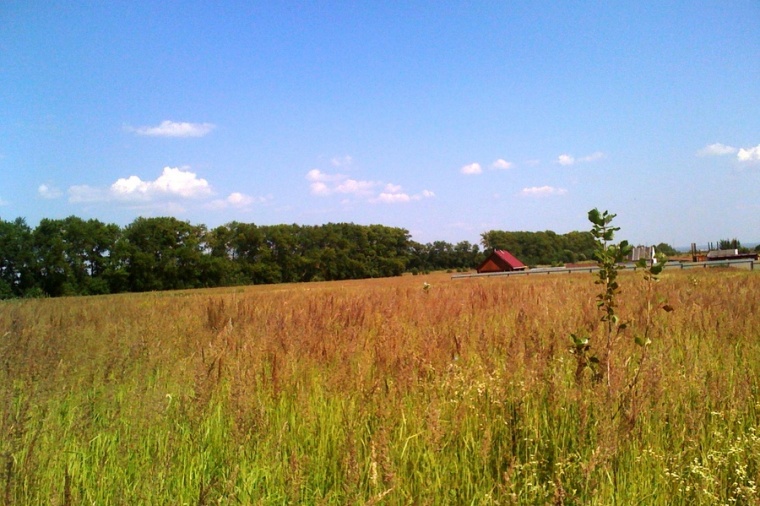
(383, 390)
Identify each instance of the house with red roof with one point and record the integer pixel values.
(501, 260)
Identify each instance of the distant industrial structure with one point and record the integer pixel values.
(715, 255)
(729, 254)
(647, 253)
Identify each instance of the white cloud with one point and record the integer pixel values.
(175, 129)
(320, 188)
(502, 164)
(749, 154)
(473, 168)
(597, 155)
(318, 175)
(48, 192)
(314, 175)
(566, 159)
(324, 185)
(338, 183)
(165, 194)
(237, 200)
(356, 187)
(86, 194)
(716, 149)
(392, 198)
(341, 161)
(396, 197)
(130, 185)
(172, 182)
(742, 154)
(542, 191)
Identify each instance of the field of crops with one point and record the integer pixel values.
(384, 391)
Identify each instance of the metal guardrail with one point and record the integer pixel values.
(716, 263)
(750, 263)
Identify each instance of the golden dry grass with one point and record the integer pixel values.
(380, 391)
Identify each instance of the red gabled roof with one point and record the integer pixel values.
(509, 258)
(503, 260)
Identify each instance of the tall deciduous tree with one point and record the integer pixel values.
(87, 248)
(16, 259)
(542, 248)
(666, 249)
(163, 254)
(52, 269)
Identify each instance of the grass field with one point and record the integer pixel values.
(383, 392)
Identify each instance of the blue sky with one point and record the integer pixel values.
(448, 119)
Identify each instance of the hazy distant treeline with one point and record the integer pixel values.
(73, 256)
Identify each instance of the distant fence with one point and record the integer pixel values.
(744, 263)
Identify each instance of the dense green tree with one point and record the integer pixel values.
(73, 256)
(581, 244)
(441, 255)
(53, 271)
(87, 250)
(249, 249)
(284, 263)
(466, 255)
(223, 268)
(16, 258)
(729, 244)
(389, 247)
(733, 244)
(541, 248)
(666, 249)
(163, 254)
(329, 251)
(418, 257)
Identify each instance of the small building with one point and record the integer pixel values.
(647, 253)
(501, 261)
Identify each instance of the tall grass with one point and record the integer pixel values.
(382, 392)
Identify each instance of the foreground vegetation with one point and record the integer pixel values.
(383, 392)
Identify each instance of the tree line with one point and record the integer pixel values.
(543, 248)
(73, 256)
